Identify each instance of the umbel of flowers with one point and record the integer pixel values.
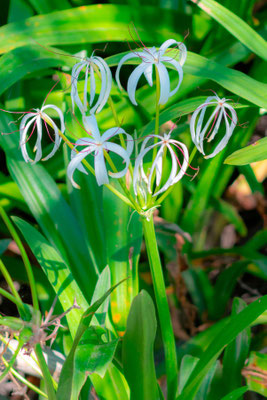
(146, 181)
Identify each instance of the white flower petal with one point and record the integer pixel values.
(92, 85)
(156, 165)
(122, 61)
(74, 82)
(75, 164)
(100, 168)
(115, 148)
(164, 83)
(57, 137)
(91, 126)
(61, 117)
(38, 144)
(149, 74)
(106, 83)
(133, 81)
(24, 127)
(179, 69)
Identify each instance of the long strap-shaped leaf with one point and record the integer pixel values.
(91, 24)
(235, 25)
(230, 331)
(66, 377)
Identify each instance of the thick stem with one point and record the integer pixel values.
(162, 307)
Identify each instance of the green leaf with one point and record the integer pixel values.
(93, 354)
(138, 349)
(251, 179)
(231, 214)
(102, 286)
(123, 233)
(57, 272)
(52, 212)
(87, 204)
(236, 353)
(4, 245)
(253, 153)
(236, 394)
(235, 25)
(187, 365)
(232, 80)
(225, 285)
(66, 380)
(214, 174)
(89, 24)
(234, 326)
(46, 6)
(257, 363)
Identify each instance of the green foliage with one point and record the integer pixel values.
(86, 241)
(138, 344)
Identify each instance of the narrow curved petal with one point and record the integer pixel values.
(85, 88)
(201, 136)
(122, 61)
(157, 165)
(61, 117)
(185, 161)
(24, 127)
(216, 126)
(133, 81)
(181, 47)
(38, 144)
(117, 149)
(149, 74)
(100, 168)
(75, 164)
(138, 172)
(233, 115)
(92, 85)
(91, 126)
(225, 139)
(57, 138)
(164, 83)
(106, 83)
(170, 180)
(179, 69)
(74, 83)
(111, 132)
(87, 144)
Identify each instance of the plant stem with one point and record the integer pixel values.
(162, 306)
(192, 155)
(9, 281)
(10, 297)
(46, 373)
(24, 381)
(24, 257)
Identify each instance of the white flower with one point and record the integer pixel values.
(165, 142)
(149, 57)
(97, 144)
(198, 131)
(34, 119)
(106, 82)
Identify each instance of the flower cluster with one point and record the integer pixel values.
(200, 132)
(146, 180)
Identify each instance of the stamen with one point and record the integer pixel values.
(47, 130)
(50, 92)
